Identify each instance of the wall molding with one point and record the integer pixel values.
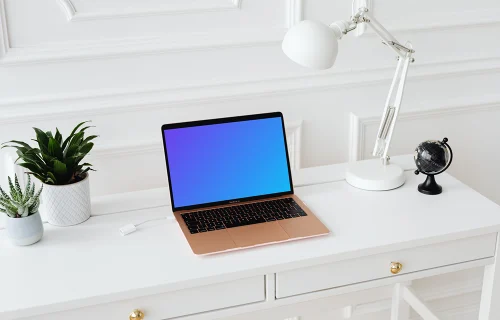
(434, 20)
(155, 45)
(359, 124)
(138, 46)
(68, 8)
(356, 138)
(72, 14)
(88, 104)
(4, 34)
(294, 142)
(295, 12)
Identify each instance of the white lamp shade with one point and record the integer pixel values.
(311, 44)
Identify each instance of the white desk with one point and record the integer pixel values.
(91, 272)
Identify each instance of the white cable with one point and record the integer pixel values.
(146, 221)
(129, 228)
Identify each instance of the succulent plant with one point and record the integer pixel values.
(56, 161)
(20, 204)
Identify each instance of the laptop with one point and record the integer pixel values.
(231, 185)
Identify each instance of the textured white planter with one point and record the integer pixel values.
(67, 205)
(24, 231)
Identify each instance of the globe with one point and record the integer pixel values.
(432, 156)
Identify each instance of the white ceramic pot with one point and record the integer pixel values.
(67, 205)
(24, 231)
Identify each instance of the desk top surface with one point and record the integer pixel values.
(91, 263)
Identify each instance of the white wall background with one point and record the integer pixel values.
(131, 66)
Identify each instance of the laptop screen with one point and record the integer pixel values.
(226, 160)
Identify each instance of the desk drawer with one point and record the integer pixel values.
(173, 304)
(341, 273)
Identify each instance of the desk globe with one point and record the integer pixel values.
(432, 157)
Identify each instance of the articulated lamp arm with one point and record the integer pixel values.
(395, 95)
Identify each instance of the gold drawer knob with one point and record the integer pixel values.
(136, 315)
(396, 267)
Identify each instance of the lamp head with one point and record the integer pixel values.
(312, 44)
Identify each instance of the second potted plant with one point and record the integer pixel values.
(58, 164)
(24, 225)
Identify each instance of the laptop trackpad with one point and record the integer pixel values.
(248, 236)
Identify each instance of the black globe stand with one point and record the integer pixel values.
(430, 186)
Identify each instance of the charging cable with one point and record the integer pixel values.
(129, 228)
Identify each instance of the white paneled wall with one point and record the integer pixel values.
(131, 66)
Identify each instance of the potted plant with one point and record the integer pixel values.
(24, 225)
(58, 164)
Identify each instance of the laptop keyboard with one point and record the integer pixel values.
(242, 215)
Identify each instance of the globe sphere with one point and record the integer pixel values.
(432, 157)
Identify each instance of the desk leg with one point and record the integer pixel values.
(400, 310)
(490, 296)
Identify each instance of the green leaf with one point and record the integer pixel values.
(38, 193)
(39, 176)
(86, 148)
(85, 128)
(30, 202)
(18, 188)
(68, 139)
(47, 159)
(21, 150)
(13, 191)
(32, 167)
(60, 168)
(82, 174)
(71, 151)
(9, 208)
(55, 149)
(4, 194)
(78, 126)
(89, 138)
(51, 178)
(34, 206)
(74, 144)
(24, 144)
(36, 160)
(32, 190)
(27, 188)
(41, 138)
(58, 137)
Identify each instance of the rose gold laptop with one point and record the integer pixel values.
(231, 186)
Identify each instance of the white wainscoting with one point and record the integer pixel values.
(130, 66)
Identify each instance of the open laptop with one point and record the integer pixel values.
(231, 186)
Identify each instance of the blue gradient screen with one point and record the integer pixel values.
(220, 162)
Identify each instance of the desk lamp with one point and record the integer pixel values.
(314, 45)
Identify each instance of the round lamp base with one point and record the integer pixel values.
(373, 175)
